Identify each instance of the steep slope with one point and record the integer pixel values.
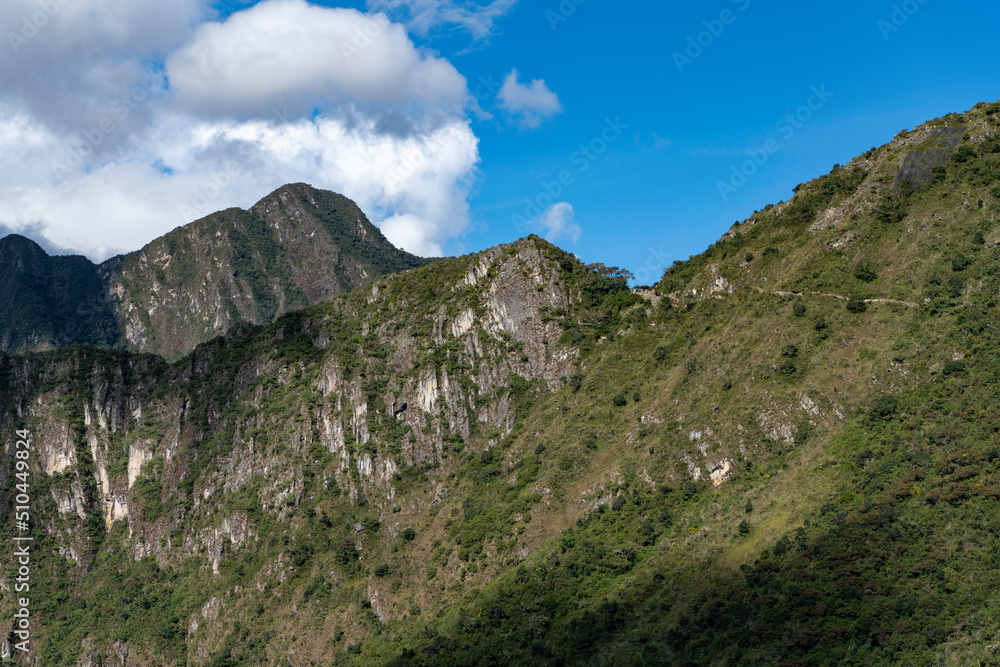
(325, 420)
(50, 300)
(295, 247)
(785, 454)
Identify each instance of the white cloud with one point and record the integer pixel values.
(557, 222)
(290, 54)
(532, 103)
(67, 60)
(415, 187)
(422, 16)
(391, 135)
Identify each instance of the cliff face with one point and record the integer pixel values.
(370, 397)
(296, 247)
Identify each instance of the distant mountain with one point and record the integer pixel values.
(295, 247)
(50, 301)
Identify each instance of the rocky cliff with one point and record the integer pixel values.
(296, 247)
(370, 399)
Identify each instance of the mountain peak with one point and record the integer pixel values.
(295, 247)
(15, 244)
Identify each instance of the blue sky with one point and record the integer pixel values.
(644, 198)
(643, 109)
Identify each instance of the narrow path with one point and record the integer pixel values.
(834, 296)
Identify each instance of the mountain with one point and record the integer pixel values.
(50, 300)
(786, 453)
(295, 247)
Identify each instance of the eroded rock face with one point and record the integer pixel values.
(295, 247)
(439, 388)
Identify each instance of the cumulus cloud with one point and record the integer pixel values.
(227, 113)
(67, 61)
(290, 54)
(531, 104)
(557, 222)
(422, 16)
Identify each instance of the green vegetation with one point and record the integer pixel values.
(804, 470)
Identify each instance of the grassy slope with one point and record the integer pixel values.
(870, 539)
(581, 538)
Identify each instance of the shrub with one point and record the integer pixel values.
(960, 263)
(620, 400)
(855, 305)
(744, 527)
(788, 367)
(346, 554)
(409, 534)
(865, 271)
(575, 382)
(884, 408)
(964, 153)
(768, 252)
(790, 351)
(748, 507)
(952, 367)
(659, 354)
(799, 309)
(636, 397)
(382, 570)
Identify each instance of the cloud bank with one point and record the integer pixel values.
(121, 120)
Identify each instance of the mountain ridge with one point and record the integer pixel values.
(786, 453)
(295, 247)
